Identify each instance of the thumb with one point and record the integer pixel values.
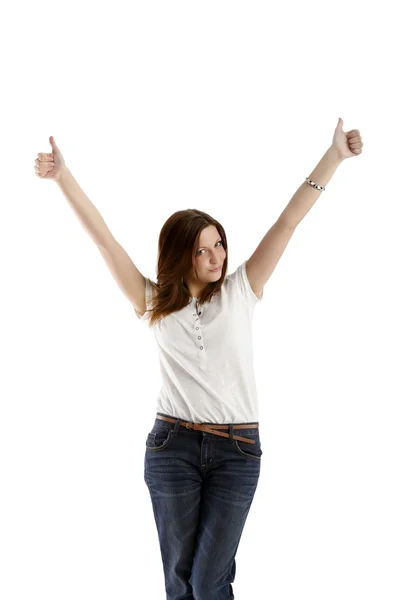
(52, 142)
(340, 124)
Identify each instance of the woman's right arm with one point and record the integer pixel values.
(86, 212)
(130, 280)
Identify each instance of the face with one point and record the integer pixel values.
(210, 254)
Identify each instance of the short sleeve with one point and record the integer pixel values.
(149, 296)
(243, 285)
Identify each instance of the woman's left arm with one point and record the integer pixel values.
(344, 145)
(261, 264)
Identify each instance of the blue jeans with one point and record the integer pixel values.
(201, 487)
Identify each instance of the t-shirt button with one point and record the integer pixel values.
(201, 347)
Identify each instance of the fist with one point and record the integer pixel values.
(50, 165)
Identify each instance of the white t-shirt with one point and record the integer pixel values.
(206, 357)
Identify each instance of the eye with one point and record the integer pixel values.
(220, 242)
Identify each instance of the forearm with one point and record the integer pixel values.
(87, 213)
(306, 196)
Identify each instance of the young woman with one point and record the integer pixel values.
(203, 454)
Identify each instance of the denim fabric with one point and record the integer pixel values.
(201, 487)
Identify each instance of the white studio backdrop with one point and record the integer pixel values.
(225, 107)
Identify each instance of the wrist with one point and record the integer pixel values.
(335, 155)
(61, 174)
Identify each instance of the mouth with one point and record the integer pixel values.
(215, 270)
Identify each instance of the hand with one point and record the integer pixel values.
(346, 143)
(50, 165)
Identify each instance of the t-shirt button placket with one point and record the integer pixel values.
(197, 328)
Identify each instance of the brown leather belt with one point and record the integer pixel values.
(212, 428)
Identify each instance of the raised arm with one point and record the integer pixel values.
(127, 276)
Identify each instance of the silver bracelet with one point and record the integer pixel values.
(315, 185)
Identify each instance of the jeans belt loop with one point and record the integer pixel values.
(176, 426)
(231, 432)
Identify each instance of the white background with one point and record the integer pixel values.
(225, 107)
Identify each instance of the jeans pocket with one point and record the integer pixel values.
(158, 440)
(252, 451)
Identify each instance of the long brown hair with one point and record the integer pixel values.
(177, 249)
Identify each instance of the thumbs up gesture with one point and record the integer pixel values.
(346, 143)
(50, 165)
